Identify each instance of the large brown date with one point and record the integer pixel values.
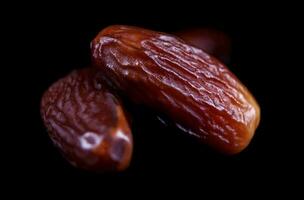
(195, 90)
(213, 42)
(87, 122)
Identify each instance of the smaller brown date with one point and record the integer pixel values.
(211, 41)
(87, 122)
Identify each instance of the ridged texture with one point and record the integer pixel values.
(195, 90)
(86, 122)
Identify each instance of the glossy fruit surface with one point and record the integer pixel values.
(192, 88)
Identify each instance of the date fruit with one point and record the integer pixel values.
(87, 122)
(195, 90)
(213, 42)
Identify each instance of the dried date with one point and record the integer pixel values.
(87, 122)
(195, 90)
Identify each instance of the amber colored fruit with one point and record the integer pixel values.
(87, 122)
(195, 90)
(212, 41)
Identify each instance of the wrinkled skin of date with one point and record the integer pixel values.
(87, 122)
(192, 88)
(213, 42)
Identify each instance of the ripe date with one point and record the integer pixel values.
(195, 90)
(87, 122)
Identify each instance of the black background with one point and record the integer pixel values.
(54, 39)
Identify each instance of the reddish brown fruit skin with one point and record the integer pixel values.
(87, 123)
(195, 90)
(213, 42)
